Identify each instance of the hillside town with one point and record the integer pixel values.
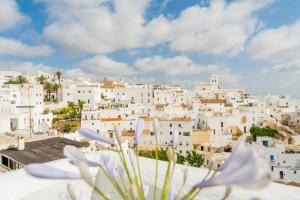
(41, 112)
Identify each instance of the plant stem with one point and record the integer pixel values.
(190, 194)
(156, 166)
(100, 193)
(114, 183)
(124, 163)
(139, 170)
(165, 187)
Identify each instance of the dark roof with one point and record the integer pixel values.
(42, 151)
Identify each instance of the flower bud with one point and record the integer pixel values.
(71, 191)
(133, 193)
(185, 175)
(171, 154)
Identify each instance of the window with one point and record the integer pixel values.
(295, 172)
(171, 133)
(5, 161)
(179, 125)
(272, 168)
(170, 125)
(265, 143)
(271, 158)
(222, 124)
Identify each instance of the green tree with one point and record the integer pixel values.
(48, 88)
(67, 127)
(194, 159)
(41, 79)
(80, 107)
(17, 80)
(263, 132)
(58, 74)
(55, 88)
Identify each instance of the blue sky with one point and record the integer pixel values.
(251, 44)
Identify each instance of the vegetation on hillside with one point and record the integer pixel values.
(17, 80)
(263, 132)
(192, 158)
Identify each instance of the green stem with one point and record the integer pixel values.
(124, 184)
(156, 166)
(165, 187)
(190, 193)
(114, 183)
(139, 188)
(124, 163)
(100, 193)
(139, 171)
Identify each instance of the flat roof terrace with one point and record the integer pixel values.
(40, 151)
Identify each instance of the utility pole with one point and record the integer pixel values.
(30, 116)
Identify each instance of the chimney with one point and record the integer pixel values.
(21, 143)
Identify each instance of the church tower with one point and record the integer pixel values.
(214, 79)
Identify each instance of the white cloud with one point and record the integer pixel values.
(98, 26)
(103, 66)
(17, 48)
(276, 45)
(25, 67)
(179, 65)
(280, 47)
(10, 15)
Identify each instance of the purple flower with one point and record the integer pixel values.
(95, 136)
(240, 146)
(109, 165)
(171, 194)
(120, 171)
(45, 171)
(246, 168)
(140, 124)
(77, 155)
(131, 158)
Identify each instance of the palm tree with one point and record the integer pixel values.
(17, 80)
(41, 79)
(49, 88)
(58, 74)
(21, 80)
(80, 107)
(55, 88)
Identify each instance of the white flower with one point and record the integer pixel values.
(45, 171)
(85, 172)
(246, 168)
(95, 136)
(77, 155)
(175, 139)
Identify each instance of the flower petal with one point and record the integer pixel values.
(77, 155)
(237, 149)
(45, 171)
(85, 172)
(140, 124)
(95, 136)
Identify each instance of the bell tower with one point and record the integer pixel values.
(214, 79)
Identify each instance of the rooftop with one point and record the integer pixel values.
(42, 150)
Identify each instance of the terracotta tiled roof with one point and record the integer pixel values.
(212, 101)
(111, 119)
